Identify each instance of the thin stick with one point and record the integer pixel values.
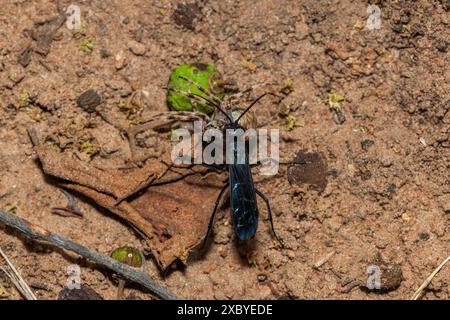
(35, 232)
(324, 259)
(427, 281)
(17, 279)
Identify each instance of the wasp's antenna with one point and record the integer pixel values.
(253, 103)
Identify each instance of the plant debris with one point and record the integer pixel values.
(291, 123)
(42, 33)
(173, 217)
(87, 45)
(334, 100)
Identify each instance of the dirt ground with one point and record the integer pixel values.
(375, 186)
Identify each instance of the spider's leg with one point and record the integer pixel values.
(197, 98)
(259, 193)
(204, 90)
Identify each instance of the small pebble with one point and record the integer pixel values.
(262, 278)
(137, 48)
(120, 61)
(391, 187)
(104, 53)
(366, 144)
(83, 293)
(207, 269)
(291, 254)
(398, 27)
(446, 4)
(89, 100)
(444, 202)
(391, 274)
(424, 236)
(386, 161)
(16, 74)
(338, 116)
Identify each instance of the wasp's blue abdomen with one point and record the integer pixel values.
(244, 208)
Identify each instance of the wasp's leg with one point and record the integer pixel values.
(211, 220)
(259, 193)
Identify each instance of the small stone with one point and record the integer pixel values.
(446, 4)
(16, 74)
(89, 100)
(262, 278)
(366, 144)
(82, 293)
(291, 254)
(338, 116)
(223, 252)
(207, 269)
(386, 161)
(405, 19)
(423, 141)
(104, 53)
(116, 84)
(424, 236)
(185, 15)
(391, 187)
(120, 60)
(442, 47)
(381, 244)
(390, 273)
(444, 202)
(25, 56)
(398, 27)
(222, 236)
(137, 48)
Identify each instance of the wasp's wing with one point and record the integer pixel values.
(244, 208)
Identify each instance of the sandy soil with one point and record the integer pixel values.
(375, 189)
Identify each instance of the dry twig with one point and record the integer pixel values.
(16, 278)
(324, 259)
(427, 281)
(35, 232)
